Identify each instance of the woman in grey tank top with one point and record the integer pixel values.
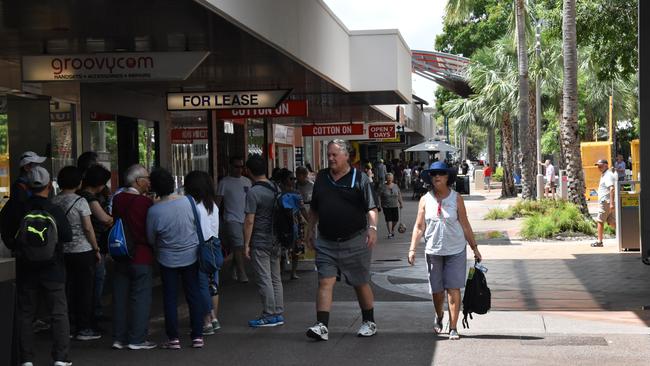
(442, 219)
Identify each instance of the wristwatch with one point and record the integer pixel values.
(372, 227)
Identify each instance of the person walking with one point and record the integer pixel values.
(442, 219)
(390, 198)
(35, 280)
(619, 166)
(261, 248)
(487, 177)
(344, 207)
(303, 184)
(293, 201)
(380, 172)
(133, 278)
(549, 174)
(80, 254)
(200, 186)
(407, 177)
(172, 230)
(231, 198)
(606, 200)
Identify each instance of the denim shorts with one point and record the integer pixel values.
(446, 271)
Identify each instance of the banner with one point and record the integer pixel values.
(319, 130)
(111, 67)
(289, 108)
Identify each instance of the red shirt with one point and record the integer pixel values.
(132, 209)
(487, 171)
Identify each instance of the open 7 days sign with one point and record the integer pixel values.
(111, 67)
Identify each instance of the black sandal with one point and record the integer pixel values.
(597, 244)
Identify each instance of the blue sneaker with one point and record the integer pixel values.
(279, 319)
(264, 321)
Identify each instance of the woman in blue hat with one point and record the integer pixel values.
(442, 219)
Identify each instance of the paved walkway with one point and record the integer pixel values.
(553, 303)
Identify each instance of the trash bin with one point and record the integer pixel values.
(479, 183)
(628, 232)
(462, 184)
(8, 332)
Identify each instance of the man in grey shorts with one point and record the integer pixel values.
(231, 192)
(345, 210)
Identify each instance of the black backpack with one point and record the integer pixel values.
(283, 218)
(37, 237)
(477, 298)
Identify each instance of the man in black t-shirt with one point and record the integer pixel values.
(345, 209)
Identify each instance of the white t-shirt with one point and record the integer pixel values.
(209, 222)
(233, 190)
(76, 208)
(407, 172)
(607, 179)
(550, 173)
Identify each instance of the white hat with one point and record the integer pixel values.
(29, 157)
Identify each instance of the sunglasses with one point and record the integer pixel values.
(438, 174)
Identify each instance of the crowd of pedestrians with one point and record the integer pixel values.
(334, 213)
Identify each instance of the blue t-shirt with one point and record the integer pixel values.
(172, 232)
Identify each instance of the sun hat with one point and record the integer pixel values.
(29, 157)
(438, 166)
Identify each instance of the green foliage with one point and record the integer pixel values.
(498, 174)
(546, 218)
(498, 214)
(4, 135)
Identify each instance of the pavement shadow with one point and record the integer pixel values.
(473, 197)
(503, 337)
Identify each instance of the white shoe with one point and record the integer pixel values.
(367, 329)
(26, 364)
(118, 345)
(453, 335)
(318, 331)
(63, 363)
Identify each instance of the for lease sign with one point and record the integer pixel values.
(381, 131)
(226, 99)
(111, 67)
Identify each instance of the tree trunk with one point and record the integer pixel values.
(532, 142)
(523, 110)
(590, 126)
(492, 147)
(508, 185)
(569, 123)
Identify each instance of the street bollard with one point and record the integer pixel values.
(564, 185)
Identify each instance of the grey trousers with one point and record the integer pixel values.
(266, 265)
(29, 292)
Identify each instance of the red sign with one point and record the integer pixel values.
(188, 135)
(289, 108)
(381, 131)
(333, 130)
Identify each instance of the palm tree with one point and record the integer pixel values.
(492, 75)
(569, 123)
(459, 10)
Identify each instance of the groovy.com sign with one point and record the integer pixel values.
(108, 67)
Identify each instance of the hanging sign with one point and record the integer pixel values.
(226, 99)
(289, 108)
(349, 129)
(188, 135)
(111, 67)
(381, 131)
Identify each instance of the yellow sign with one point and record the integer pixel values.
(396, 139)
(629, 199)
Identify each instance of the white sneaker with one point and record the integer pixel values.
(27, 363)
(118, 345)
(62, 363)
(367, 329)
(318, 331)
(453, 335)
(143, 345)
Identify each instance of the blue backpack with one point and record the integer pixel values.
(121, 245)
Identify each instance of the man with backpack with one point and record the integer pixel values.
(35, 231)
(261, 246)
(343, 204)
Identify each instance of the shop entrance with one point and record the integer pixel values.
(123, 141)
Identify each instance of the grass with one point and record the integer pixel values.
(546, 218)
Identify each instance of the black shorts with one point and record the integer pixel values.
(391, 213)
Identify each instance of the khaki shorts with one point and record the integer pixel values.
(232, 234)
(606, 214)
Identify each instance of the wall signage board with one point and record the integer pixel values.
(380, 131)
(111, 67)
(324, 130)
(283, 134)
(188, 135)
(226, 100)
(289, 108)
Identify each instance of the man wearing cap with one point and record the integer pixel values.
(35, 281)
(20, 189)
(606, 200)
(345, 209)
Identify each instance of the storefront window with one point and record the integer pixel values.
(255, 136)
(189, 138)
(103, 141)
(147, 144)
(5, 180)
(61, 117)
